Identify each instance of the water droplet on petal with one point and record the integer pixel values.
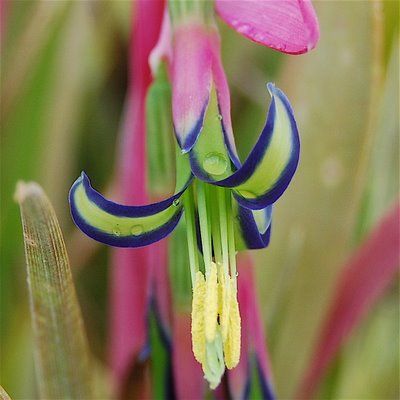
(137, 230)
(176, 202)
(219, 117)
(116, 231)
(215, 163)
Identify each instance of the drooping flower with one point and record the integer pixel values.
(227, 204)
(222, 209)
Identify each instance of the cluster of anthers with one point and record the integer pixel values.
(216, 330)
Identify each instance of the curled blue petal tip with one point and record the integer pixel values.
(120, 225)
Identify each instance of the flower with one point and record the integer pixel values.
(231, 213)
(227, 204)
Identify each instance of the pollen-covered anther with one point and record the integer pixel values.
(232, 343)
(198, 334)
(211, 303)
(223, 302)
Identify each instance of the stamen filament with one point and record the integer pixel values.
(204, 228)
(223, 229)
(215, 228)
(231, 238)
(191, 233)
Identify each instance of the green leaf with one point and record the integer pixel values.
(62, 356)
(160, 362)
(383, 168)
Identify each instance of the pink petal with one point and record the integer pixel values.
(188, 376)
(253, 336)
(223, 94)
(130, 282)
(158, 259)
(364, 278)
(163, 48)
(128, 317)
(289, 26)
(191, 82)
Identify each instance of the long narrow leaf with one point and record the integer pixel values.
(3, 394)
(61, 349)
(368, 272)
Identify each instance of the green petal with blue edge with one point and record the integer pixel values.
(252, 227)
(126, 226)
(270, 166)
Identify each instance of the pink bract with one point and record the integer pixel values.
(364, 278)
(191, 79)
(131, 272)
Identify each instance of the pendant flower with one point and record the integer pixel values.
(227, 208)
(227, 204)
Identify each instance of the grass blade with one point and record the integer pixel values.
(61, 349)
(362, 281)
(3, 394)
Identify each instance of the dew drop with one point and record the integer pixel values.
(244, 29)
(137, 230)
(176, 202)
(219, 117)
(215, 163)
(116, 231)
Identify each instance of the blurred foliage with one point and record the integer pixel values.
(62, 358)
(63, 82)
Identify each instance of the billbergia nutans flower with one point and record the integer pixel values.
(227, 204)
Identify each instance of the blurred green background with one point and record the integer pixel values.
(63, 82)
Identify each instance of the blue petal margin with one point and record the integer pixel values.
(252, 235)
(255, 157)
(114, 210)
(267, 392)
(188, 140)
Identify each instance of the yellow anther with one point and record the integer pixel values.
(223, 302)
(232, 343)
(198, 335)
(211, 303)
